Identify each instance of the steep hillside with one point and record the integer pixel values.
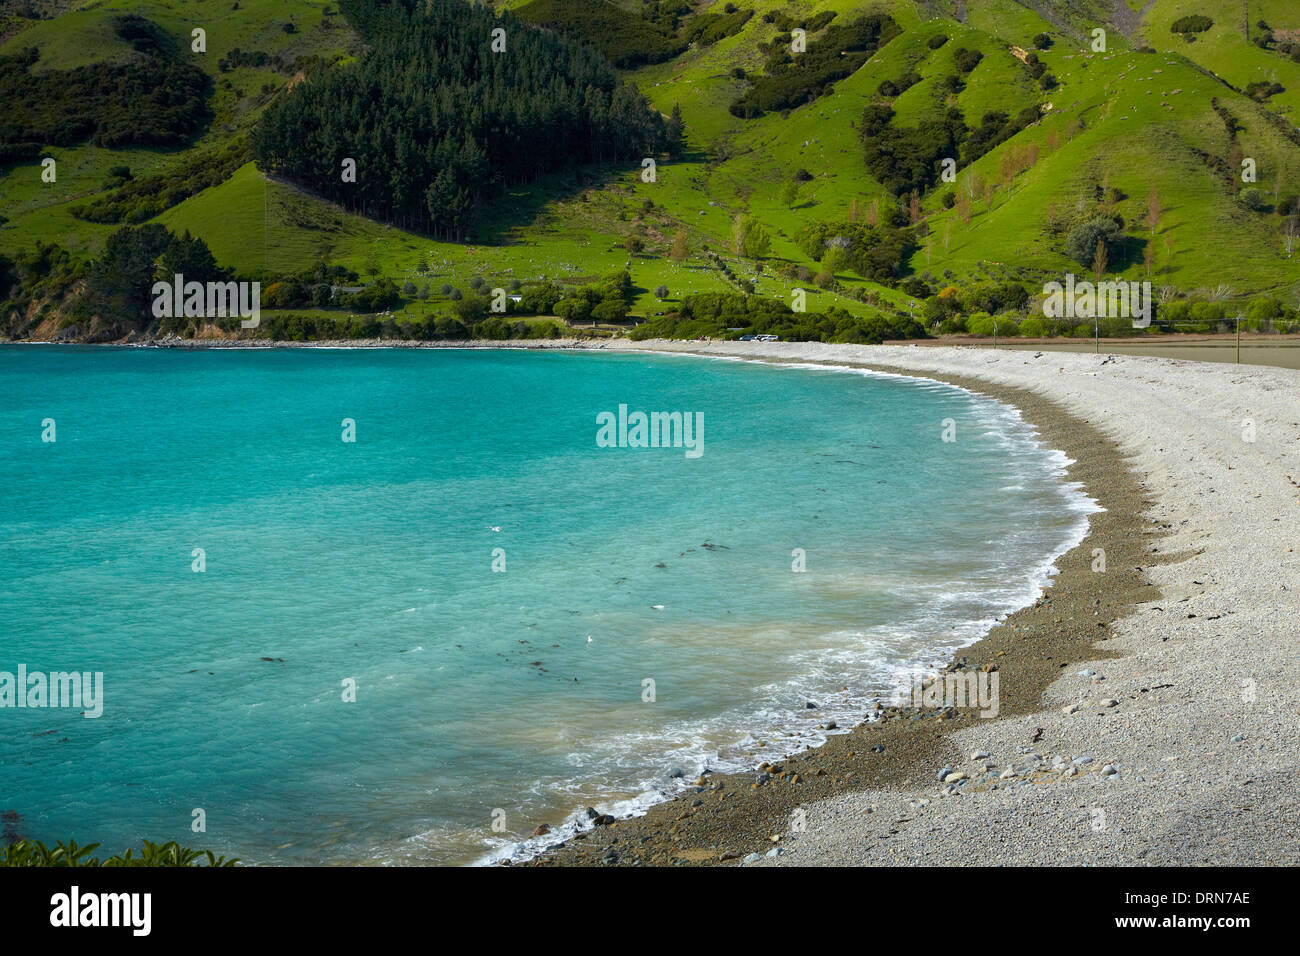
(1153, 136)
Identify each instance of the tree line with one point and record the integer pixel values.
(436, 121)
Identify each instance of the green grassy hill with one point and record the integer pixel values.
(1151, 116)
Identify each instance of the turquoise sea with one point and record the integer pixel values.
(486, 701)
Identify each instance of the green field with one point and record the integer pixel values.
(1123, 120)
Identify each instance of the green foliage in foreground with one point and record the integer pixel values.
(35, 853)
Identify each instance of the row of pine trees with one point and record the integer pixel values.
(435, 119)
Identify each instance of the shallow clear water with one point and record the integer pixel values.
(479, 697)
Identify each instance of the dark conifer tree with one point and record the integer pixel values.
(436, 120)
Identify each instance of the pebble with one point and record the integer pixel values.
(954, 777)
(1069, 709)
(1238, 739)
(1108, 771)
(980, 755)
(752, 858)
(774, 852)
(1108, 702)
(943, 774)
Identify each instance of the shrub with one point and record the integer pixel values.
(967, 60)
(995, 129)
(573, 310)
(1263, 309)
(907, 158)
(1261, 90)
(1252, 199)
(471, 308)
(875, 254)
(1042, 41)
(610, 311)
(30, 853)
(1033, 327)
(541, 299)
(1081, 243)
(1196, 23)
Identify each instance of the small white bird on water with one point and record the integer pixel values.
(588, 638)
(494, 528)
(656, 607)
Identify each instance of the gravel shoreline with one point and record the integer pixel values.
(1179, 748)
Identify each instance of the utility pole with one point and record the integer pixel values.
(1238, 338)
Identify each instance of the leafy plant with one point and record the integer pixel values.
(36, 853)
